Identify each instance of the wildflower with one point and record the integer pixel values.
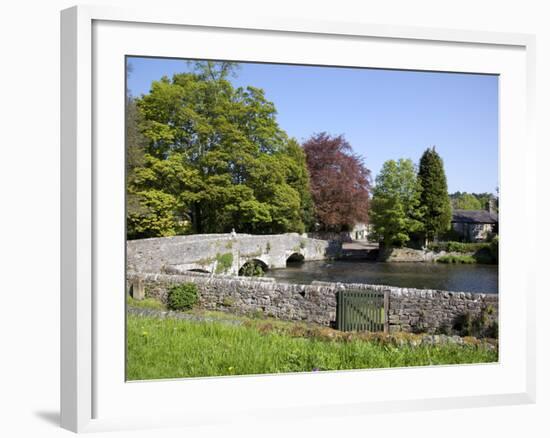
(144, 333)
(315, 369)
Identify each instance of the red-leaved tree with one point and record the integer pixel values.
(340, 182)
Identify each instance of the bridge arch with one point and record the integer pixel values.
(253, 268)
(295, 258)
(203, 271)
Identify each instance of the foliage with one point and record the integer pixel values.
(394, 210)
(434, 199)
(466, 201)
(171, 348)
(182, 296)
(479, 325)
(136, 205)
(480, 252)
(462, 247)
(224, 262)
(473, 201)
(493, 247)
(484, 255)
(156, 216)
(215, 159)
(251, 269)
(212, 70)
(450, 259)
(340, 182)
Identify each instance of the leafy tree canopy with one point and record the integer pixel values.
(340, 182)
(216, 158)
(394, 211)
(473, 201)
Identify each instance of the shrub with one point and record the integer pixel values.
(484, 256)
(467, 259)
(492, 330)
(251, 269)
(438, 246)
(457, 247)
(463, 324)
(444, 329)
(182, 296)
(225, 261)
(493, 247)
(479, 326)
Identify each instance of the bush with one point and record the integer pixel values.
(466, 247)
(225, 261)
(251, 269)
(493, 247)
(467, 259)
(182, 296)
(484, 256)
(479, 326)
(460, 247)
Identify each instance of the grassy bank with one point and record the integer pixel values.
(170, 348)
(450, 259)
(482, 252)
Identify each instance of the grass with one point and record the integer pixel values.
(146, 303)
(172, 348)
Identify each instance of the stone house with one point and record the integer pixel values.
(360, 231)
(474, 225)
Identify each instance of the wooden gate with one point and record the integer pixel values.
(362, 310)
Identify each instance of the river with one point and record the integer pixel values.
(451, 277)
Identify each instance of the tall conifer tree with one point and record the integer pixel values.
(434, 197)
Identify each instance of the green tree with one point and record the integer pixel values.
(434, 199)
(394, 210)
(297, 177)
(136, 143)
(219, 152)
(465, 201)
(164, 188)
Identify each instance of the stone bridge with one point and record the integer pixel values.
(224, 253)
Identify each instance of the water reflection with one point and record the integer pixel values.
(465, 278)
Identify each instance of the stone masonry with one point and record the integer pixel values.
(409, 309)
(223, 253)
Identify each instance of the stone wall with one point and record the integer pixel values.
(428, 310)
(409, 309)
(248, 296)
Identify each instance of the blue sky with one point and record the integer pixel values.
(384, 114)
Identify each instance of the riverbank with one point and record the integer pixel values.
(450, 252)
(443, 252)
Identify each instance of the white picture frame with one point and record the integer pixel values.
(94, 395)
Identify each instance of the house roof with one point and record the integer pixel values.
(474, 216)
